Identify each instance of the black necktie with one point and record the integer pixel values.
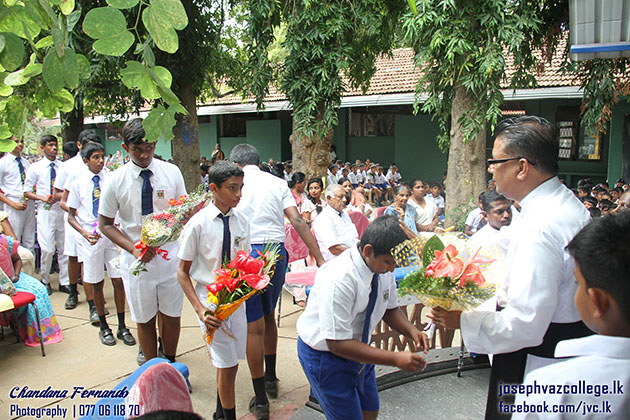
(19, 162)
(96, 194)
(225, 249)
(147, 192)
(370, 308)
(53, 175)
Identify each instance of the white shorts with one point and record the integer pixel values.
(226, 351)
(96, 257)
(70, 247)
(156, 289)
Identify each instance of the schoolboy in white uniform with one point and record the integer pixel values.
(602, 360)
(50, 223)
(333, 335)
(13, 168)
(211, 237)
(94, 250)
(144, 185)
(69, 171)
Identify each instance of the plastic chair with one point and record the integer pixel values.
(360, 221)
(22, 299)
(147, 394)
(380, 211)
(294, 245)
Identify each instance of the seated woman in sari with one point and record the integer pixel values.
(401, 209)
(11, 264)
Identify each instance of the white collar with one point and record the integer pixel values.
(135, 169)
(546, 188)
(595, 345)
(357, 259)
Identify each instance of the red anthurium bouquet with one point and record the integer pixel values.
(239, 280)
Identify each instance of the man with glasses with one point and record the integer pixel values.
(540, 310)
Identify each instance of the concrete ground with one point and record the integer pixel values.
(80, 360)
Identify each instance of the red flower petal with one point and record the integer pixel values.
(256, 281)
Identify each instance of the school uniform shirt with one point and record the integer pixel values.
(80, 197)
(334, 228)
(354, 178)
(264, 200)
(473, 219)
(337, 303)
(10, 177)
(332, 178)
(38, 176)
(540, 280)
(69, 171)
(393, 177)
(122, 193)
(596, 360)
(424, 215)
(202, 243)
(438, 201)
(379, 179)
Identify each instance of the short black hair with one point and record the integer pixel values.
(46, 138)
(602, 254)
(133, 132)
(70, 149)
(90, 148)
(606, 204)
(86, 136)
(223, 170)
(594, 212)
(532, 138)
(296, 178)
(414, 181)
(332, 166)
(384, 233)
(488, 199)
(245, 154)
(590, 199)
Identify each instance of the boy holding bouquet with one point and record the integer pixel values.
(142, 186)
(97, 252)
(352, 293)
(212, 237)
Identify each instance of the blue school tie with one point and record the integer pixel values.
(53, 175)
(96, 194)
(225, 249)
(18, 159)
(366, 327)
(147, 192)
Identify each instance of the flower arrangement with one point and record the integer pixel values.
(237, 281)
(443, 279)
(163, 227)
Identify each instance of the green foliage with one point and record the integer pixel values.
(323, 41)
(159, 123)
(428, 252)
(109, 27)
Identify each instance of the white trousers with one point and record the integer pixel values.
(50, 235)
(23, 223)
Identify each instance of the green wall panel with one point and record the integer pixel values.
(377, 149)
(208, 135)
(266, 136)
(416, 151)
(615, 155)
(340, 134)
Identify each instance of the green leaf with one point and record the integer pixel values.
(6, 144)
(52, 71)
(46, 41)
(37, 13)
(412, 6)
(59, 38)
(16, 78)
(116, 46)
(104, 22)
(1, 42)
(5, 90)
(70, 69)
(17, 21)
(72, 19)
(428, 253)
(66, 7)
(164, 35)
(13, 53)
(136, 76)
(159, 123)
(32, 70)
(122, 4)
(83, 66)
(171, 12)
(63, 100)
(15, 115)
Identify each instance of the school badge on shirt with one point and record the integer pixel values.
(386, 296)
(160, 193)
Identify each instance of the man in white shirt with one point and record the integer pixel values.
(50, 224)
(13, 168)
(333, 228)
(540, 280)
(140, 187)
(265, 202)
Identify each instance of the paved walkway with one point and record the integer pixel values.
(80, 360)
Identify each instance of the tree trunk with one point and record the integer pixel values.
(466, 162)
(310, 155)
(72, 123)
(186, 140)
